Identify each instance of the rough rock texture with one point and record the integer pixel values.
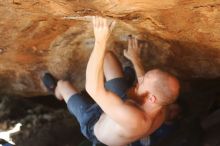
(181, 36)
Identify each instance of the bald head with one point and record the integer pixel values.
(165, 86)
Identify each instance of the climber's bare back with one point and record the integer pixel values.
(109, 132)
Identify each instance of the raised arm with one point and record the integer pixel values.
(109, 102)
(133, 54)
(94, 70)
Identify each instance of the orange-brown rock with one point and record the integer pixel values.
(180, 36)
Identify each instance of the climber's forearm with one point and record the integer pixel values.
(94, 71)
(139, 69)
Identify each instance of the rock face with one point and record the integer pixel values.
(36, 36)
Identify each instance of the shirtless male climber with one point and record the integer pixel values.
(120, 114)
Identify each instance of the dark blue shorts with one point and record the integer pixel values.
(88, 113)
